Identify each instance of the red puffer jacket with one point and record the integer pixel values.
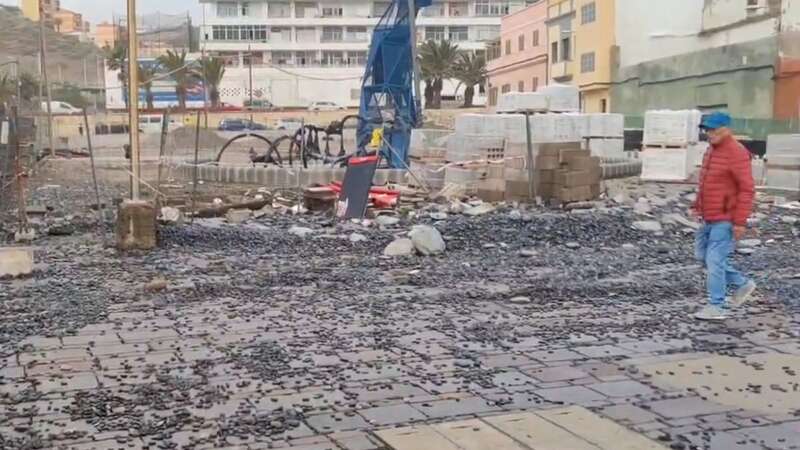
(726, 184)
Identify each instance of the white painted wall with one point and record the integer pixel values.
(718, 13)
(791, 15)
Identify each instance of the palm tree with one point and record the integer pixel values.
(212, 70)
(174, 63)
(146, 76)
(437, 62)
(117, 59)
(470, 70)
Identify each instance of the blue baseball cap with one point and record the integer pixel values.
(717, 119)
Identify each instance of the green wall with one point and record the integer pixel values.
(739, 76)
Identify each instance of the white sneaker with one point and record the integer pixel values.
(743, 294)
(711, 312)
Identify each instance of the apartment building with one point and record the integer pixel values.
(303, 51)
(30, 9)
(517, 61)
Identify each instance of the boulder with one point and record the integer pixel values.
(300, 231)
(387, 221)
(400, 247)
(427, 240)
(647, 225)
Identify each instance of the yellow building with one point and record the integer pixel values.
(582, 47)
(30, 9)
(595, 47)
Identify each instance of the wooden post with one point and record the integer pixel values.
(133, 98)
(195, 168)
(94, 172)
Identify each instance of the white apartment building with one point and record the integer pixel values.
(304, 51)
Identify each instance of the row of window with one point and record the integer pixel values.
(309, 58)
(483, 8)
(521, 42)
(262, 33)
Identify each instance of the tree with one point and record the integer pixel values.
(437, 63)
(174, 63)
(212, 70)
(28, 86)
(8, 88)
(117, 59)
(470, 70)
(70, 93)
(146, 76)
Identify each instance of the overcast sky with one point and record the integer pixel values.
(96, 11)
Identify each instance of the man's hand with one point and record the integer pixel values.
(739, 231)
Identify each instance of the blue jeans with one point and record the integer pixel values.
(713, 244)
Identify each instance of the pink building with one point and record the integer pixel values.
(518, 61)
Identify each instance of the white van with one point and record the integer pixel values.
(61, 108)
(151, 123)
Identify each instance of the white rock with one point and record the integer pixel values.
(520, 300)
(629, 246)
(515, 214)
(678, 219)
(400, 247)
(170, 215)
(236, 216)
(642, 208)
(790, 219)
(479, 210)
(300, 231)
(357, 237)
(749, 243)
(427, 240)
(647, 225)
(528, 253)
(387, 221)
(457, 207)
(438, 216)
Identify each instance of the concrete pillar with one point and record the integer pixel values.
(136, 226)
(16, 261)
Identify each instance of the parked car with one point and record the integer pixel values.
(240, 125)
(151, 123)
(290, 123)
(324, 106)
(61, 108)
(258, 105)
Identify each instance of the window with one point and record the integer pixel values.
(434, 33)
(218, 32)
(587, 62)
(378, 8)
(332, 58)
(535, 84)
(302, 10)
(278, 34)
(245, 6)
(306, 35)
(332, 11)
(566, 49)
(508, 47)
(588, 13)
(305, 58)
(356, 58)
(355, 94)
(485, 32)
(281, 58)
(505, 88)
(357, 34)
(492, 96)
(535, 38)
(603, 105)
(486, 8)
(458, 34)
(521, 86)
(231, 33)
(459, 9)
(554, 52)
(279, 10)
(435, 10)
(521, 42)
(332, 34)
(227, 9)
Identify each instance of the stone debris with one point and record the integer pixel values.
(300, 231)
(400, 247)
(479, 210)
(749, 243)
(156, 285)
(648, 225)
(386, 221)
(237, 216)
(357, 237)
(427, 240)
(170, 215)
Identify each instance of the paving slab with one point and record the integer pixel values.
(476, 434)
(539, 433)
(764, 382)
(599, 431)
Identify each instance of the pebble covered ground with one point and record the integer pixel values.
(252, 336)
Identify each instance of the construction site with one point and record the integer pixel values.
(518, 277)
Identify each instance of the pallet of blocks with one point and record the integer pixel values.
(566, 173)
(672, 149)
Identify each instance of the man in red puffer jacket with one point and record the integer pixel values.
(724, 202)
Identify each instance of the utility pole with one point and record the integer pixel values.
(43, 62)
(250, 68)
(412, 28)
(133, 98)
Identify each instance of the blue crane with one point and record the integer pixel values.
(389, 97)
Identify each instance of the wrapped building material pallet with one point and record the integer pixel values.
(783, 172)
(605, 125)
(665, 164)
(475, 147)
(783, 144)
(671, 128)
(428, 143)
(512, 102)
(430, 171)
(551, 128)
(606, 147)
(562, 97)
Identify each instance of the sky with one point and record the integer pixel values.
(96, 11)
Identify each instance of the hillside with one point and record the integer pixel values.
(66, 55)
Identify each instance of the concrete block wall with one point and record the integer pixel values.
(278, 177)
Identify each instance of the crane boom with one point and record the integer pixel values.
(389, 99)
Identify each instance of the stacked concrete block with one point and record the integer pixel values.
(430, 172)
(665, 164)
(463, 148)
(606, 147)
(562, 98)
(671, 128)
(512, 102)
(554, 128)
(783, 144)
(16, 261)
(606, 125)
(566, 173)
(783, 162)
(428, 143)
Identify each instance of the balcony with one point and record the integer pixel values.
(561, 71)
